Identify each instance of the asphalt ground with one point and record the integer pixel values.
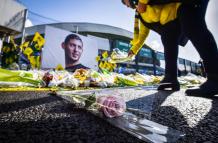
(40, 117)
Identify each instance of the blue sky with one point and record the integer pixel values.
(110, 12)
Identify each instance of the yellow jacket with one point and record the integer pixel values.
(154, 13)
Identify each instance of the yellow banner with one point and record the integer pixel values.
(105, 55)
(39, 40)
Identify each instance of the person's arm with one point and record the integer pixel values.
(137, 44)
(136, 30)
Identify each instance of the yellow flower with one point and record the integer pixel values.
(59, 67)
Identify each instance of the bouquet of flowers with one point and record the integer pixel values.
(10, 78)
(119, 56)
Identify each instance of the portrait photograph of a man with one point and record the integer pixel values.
(73, 49)
(70, 50)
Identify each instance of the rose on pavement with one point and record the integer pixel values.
(112, 106)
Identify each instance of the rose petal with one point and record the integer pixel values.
(112, 106)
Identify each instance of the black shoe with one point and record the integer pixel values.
(169, 85)
(167, 80)
(207, 89)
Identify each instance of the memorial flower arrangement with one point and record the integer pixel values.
(107, 105)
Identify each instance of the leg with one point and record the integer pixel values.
(170, 38)
(192, 19)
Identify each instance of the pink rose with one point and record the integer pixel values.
(112, 106)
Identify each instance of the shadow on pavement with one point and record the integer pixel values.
(205, 130)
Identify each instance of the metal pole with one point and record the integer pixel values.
(184, 63)
(1, 44)
(203, 68)
(154, 63)
(77, 29)
(24, 21)
(7, 39)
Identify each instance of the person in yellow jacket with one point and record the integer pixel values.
(177, 21)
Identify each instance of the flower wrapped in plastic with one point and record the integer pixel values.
(107, 105)
(19, 78)
(111, 106)
(60, 78)
(118, 56)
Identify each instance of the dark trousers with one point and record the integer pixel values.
(171, 36)
(192, 20)
(191, 23)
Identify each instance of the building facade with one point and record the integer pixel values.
(147, 60)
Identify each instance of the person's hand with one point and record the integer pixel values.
(127, 3)
(141, 7)
(130, 53)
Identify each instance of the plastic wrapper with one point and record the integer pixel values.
(109, 80)
(191, 80)
(112, 106)
(134, 102)
(94, 76)
(15, 84)
(81, 75)
(62, 79)
(85, 78)
(102, 84)
(156, 79)
(145, 78)
(118, 56)
(125, 80)
(17, 77)
(108, 104)
(142, 79)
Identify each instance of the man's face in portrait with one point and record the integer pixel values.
(73, 50)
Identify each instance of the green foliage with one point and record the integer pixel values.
(90, 100)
